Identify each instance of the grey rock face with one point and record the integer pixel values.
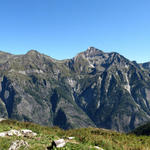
(93, 89)
(146, 65)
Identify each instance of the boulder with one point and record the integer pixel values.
(13, 132)
(17, 144)
(58, 143)
(27, 132)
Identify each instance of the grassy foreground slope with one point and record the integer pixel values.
(85, 138)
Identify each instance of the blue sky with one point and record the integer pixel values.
(63, 28)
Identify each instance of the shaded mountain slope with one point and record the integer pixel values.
(146, 65)
(142, 130)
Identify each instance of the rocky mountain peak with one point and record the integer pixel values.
(34, 55)
(92, 52)
(32, 52)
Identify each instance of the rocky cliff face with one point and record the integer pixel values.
(146, 65)
(93, 89)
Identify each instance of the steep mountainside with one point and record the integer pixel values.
(93, 89)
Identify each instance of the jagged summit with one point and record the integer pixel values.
(91, 52)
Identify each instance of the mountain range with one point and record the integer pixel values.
(98, 89)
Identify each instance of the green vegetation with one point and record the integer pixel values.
(85, 138)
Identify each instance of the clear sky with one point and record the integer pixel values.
(63, 28)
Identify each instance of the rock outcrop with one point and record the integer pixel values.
(17, 144)
(23, 132)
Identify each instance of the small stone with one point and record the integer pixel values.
(98, 148)
(3, 134)
(71, 138)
